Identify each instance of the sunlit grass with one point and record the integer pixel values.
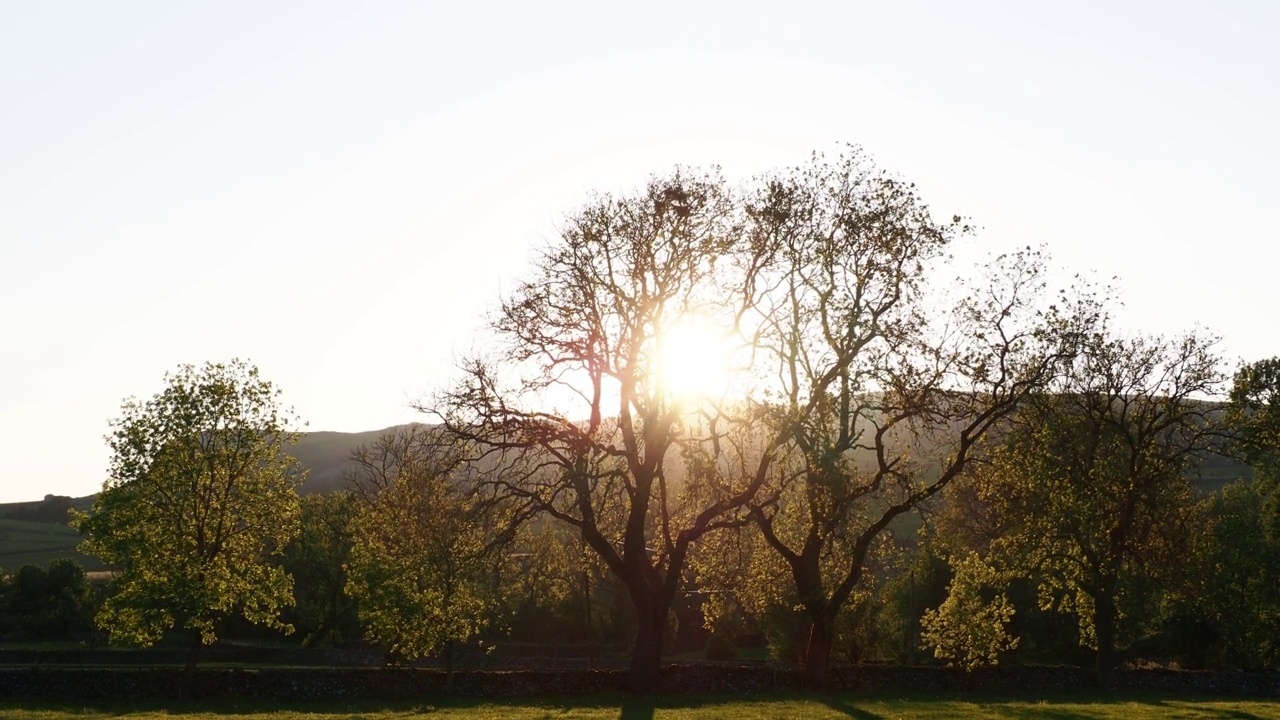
(817, 707)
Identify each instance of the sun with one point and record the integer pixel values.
(695, 361)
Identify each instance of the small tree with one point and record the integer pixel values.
(969, 629)
(1093, 478)
(1238, 593)
(56, 603)
(420, 566)
(200, 496)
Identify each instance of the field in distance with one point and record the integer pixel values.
(23, 542)
(817, 707)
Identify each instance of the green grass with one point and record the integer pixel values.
(817, 707)
(36, 543)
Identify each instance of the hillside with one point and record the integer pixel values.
(23, 542)
(326, 455)
(36, 531)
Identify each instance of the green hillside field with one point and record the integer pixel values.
(38, 543)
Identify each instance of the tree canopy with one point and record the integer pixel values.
(1092, 478)
(201, 494)
(811, 280)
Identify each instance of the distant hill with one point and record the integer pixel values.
(324, 454)
(328, 454)
(52, 509)
(37, 532)
(23, 542)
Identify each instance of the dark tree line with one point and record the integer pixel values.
(53, 603)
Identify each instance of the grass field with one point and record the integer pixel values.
(821, 707)
(36, 543)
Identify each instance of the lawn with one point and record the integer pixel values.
(821, 707)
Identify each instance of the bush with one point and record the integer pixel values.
(720, 647)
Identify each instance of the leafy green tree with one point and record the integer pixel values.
(1239, 595)
(1234, 608)
(970, 628)
(964, 522)
(553, 588)
(47, 604)
(1092, 479)
(1254, 416)
(421, 566)
(916, 580)
(28, 597)
(201, 496)
(317, 561)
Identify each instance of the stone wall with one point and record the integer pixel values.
(398, 683)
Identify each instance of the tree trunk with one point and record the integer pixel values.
(448, 665)
(189, 686)
(1104, 628)
(646, 658)
(193, 653)
(817, 653)
(586, 620)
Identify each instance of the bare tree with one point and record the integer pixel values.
(880, 393)
(569, 417)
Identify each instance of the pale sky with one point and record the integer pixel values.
(339, 191)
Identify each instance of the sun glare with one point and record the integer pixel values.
(695, 361)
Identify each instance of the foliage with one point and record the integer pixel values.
(916, 580)
(317, 560)
(1238, 598)
(553, 588)
(720, 647)
(970, 628)
(420, 566)
(877, 392)
(47, 604)
(200, 497)
(1229, 615)
(1254, 415)
(1092, 479)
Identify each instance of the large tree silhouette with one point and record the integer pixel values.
(817, 276)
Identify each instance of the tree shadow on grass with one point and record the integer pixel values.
(845, 705)
(1068, 706)
(637, 709)
(642, 707)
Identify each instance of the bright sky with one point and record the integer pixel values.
(339, 191)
